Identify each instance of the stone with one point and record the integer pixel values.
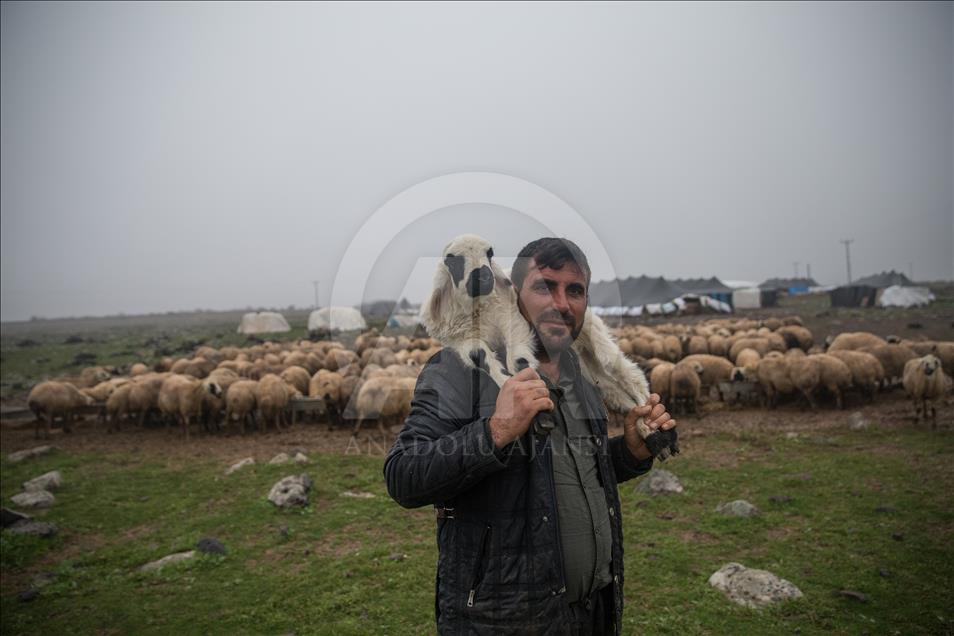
(29, 595)
(659, 482)
(210, 545)
(43, 579)
(178, 557)
(291, 491)
(791, 435)
(858, 422)
(897, 536)
(34, 499)
(886, 509)
(751, 587)
(853, 595)
(781, 499)
(737, 508)
(278, 460)
(9, 517)
(300, 458)
(19, 456)
(357, 494)
(248, 461)
(397, 556)
(33, 528)
(47, 481)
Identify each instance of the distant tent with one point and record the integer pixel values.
(632, 296)
(884, 279)
(336, 318)
(853, 296)
(403, 320)
(790, 285)
(898, 296)
(263, 322)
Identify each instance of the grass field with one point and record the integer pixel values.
(328, 568)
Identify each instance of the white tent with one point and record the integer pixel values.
(264, 322)
(336, 318)
(898, 296)
(750, 298)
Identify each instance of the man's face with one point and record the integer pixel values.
(553, 301)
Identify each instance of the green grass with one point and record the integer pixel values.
(326, 569)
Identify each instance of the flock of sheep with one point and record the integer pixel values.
(776, 358)
(234, 387)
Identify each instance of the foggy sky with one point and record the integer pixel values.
(160, 157)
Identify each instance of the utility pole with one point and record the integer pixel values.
(795, 266)
(848, 242)
(808, 270)
(315, 283)
(911, 271)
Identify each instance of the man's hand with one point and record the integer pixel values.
(654, 415)
(520, 399)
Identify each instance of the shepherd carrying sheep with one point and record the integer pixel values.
(521, 472)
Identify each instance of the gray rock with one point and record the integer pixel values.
(19, 456)
(278, 460)
(43, 579)
(210, 545)
(659, 482)
(9, 517)
(47, 481)
(791, 435)
(33, 528)
(737, 508)
(178, 557)
(397, 556)
(29, 595)
(291, 491)
(751, 587)
(34, 499)
(854, 595)
(248, 461)
(858, 422)
(300, 458)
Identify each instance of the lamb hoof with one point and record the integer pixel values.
(663, 443)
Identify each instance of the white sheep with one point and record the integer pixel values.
(52, 399)
(925, 381)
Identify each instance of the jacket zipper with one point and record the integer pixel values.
(556, 521)
(479, 570)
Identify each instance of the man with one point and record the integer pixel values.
(524, 477)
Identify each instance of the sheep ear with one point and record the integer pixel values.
(500, 279)
(434, 307)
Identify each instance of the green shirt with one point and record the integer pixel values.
(585, 530)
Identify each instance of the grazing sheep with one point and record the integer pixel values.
(796, 336)
(695, 345)
(55, 399)
(867, 374)
(240, 402)
(685, 386)
(384, 398)
(718, 345)
(103, 390)
(181, 397)
(773, 376)
(138, 369)
(117, 406)
(761, 345)
(196, 367)
(272, 396)
(892, 357)
(327, 385)
(144, 395)
(855, 340)
(747, 363)
(820, 370)
(924, 382)
(659, 379)
(714, 369)
(298, 377)
(91, 376)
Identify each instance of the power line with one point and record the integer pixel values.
(848, 242)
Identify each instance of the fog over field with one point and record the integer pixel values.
(160, 157)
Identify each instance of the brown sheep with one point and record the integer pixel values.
(117, 406)
(718, 345)
(867, 374)
(854, 340)
(747, 363)
(240, 403)
(196, 367)
(762, 345)
(685, 385)
(55, 399)
(820, 370)
(181, 397)
(796, 336)
(298, 377)
(144, 395)
(773, 376)
(91, 376)
(327, 385)
(714, 369)
(695, 345)
(925, 381)
(383, 398)
(272, 396)
(892, 357)
(138, 369)
(659, 379)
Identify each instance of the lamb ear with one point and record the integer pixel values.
(431, 315)
(500, 278)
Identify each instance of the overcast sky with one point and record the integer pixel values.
(175, 156)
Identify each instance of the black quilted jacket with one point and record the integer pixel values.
(500, 565)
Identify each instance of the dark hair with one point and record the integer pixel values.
(549, 252)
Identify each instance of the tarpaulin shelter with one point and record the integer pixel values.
(789, 285)
(884, 279)
(898, 296)
(336, 318)
(655, 295)
(263, 322)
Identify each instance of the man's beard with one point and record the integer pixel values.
(547, 346)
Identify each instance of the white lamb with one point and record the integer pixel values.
(473, 310)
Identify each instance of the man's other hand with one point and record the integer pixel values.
(520, 399)
(654, 415)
